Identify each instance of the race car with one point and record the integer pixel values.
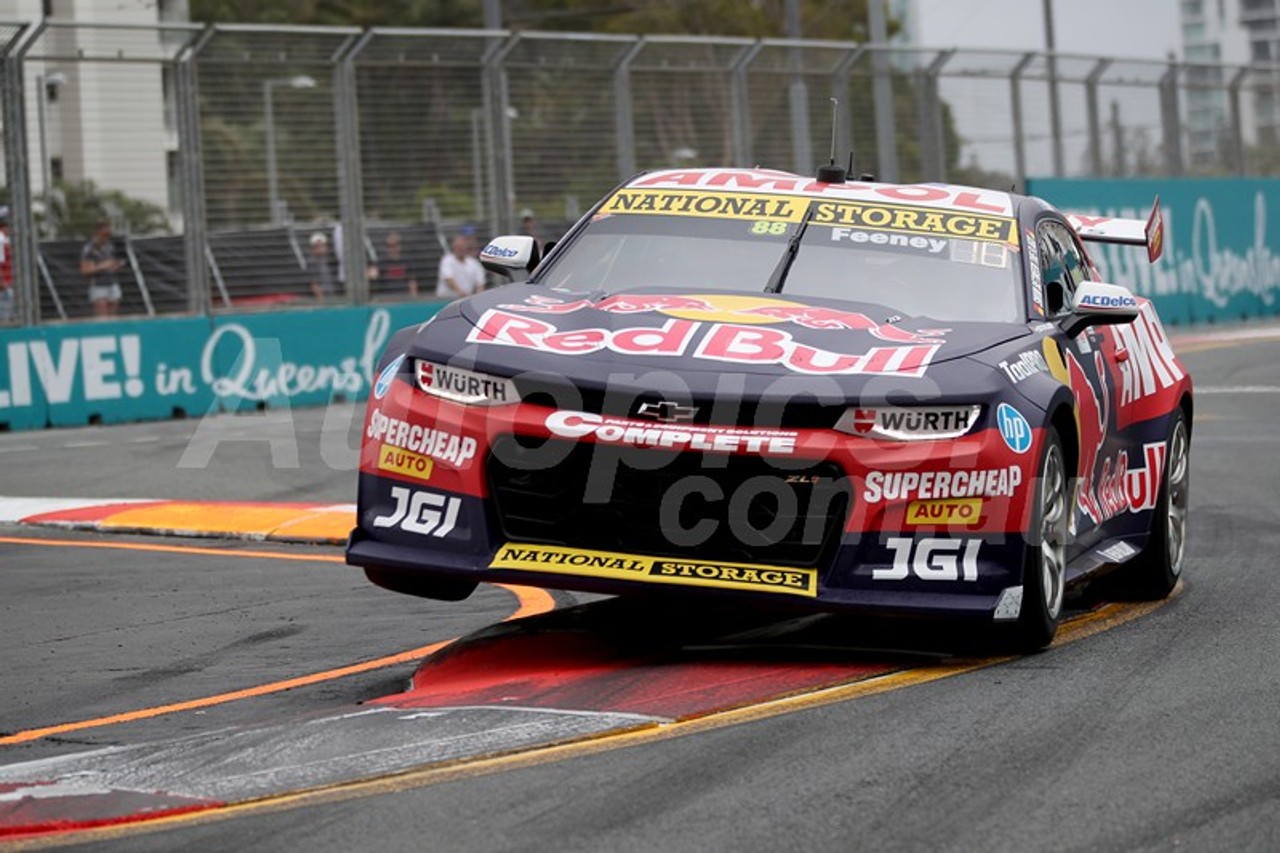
(837, 395)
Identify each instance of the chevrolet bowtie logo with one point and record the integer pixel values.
(666, 411)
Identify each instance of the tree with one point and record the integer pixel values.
(77, 208)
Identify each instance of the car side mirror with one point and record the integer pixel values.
(1098, 304)
(507, 255)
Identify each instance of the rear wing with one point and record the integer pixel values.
(1130, 232)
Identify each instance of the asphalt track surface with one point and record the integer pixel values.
(1162, 731)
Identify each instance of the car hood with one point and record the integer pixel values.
(521, 328)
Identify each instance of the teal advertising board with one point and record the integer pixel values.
(130, 370)
(1221, 257)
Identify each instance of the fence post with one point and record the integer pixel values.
(839, 91)
(1170, 122)
(1091, 109)
(191, 160)
(740, 104)
(933, 165)
(1236, 154)
(1015, 101)
(346, 118)
(22, 235)
(498, 123)
(624, 128)
(882, 93)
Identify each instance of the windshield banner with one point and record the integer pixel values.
(867, 216)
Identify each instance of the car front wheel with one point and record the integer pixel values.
(1045, 567)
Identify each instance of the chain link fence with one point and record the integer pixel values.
(251, 166)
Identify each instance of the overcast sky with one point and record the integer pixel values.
(1138, 29)
(1122, 28)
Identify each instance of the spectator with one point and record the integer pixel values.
(319, 269)
(394, 273)
(98, 267)
(6, 268)
(460, 272)
(529, 228)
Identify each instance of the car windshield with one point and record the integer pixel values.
(923, 268)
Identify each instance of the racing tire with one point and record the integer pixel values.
(1045, 567)
(1154, 572)
(415, 583)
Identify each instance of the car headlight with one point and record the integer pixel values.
(909, 423)
(464, 386)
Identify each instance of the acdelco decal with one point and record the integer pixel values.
(717, 205)
(686, 437)
(440, 445)
(404, 462)
(720, 342)
(925, 485)
(577, 561)
(913, 220)
(941, 513)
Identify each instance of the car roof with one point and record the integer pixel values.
(944, 196)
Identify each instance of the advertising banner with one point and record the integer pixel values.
(1218, 262)
(130, 370)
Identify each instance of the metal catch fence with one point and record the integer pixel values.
(248, 166)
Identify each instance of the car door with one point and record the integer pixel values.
(1091, 363)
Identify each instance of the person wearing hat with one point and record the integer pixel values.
(319, 269)
(98, 267)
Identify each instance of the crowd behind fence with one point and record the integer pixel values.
(220, 152)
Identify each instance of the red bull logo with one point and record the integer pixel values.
(723, 342)
(734, 308)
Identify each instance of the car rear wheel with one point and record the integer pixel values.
(414, 583)
(1045, 568)
(1154, 573)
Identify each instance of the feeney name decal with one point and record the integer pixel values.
(576, 561)
(684, 437)
(721, 342)
(906, 485)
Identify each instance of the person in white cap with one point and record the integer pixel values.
(319, 270)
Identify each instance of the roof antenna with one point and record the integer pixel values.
(829, 172)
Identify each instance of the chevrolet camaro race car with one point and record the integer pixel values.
(841, 395)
